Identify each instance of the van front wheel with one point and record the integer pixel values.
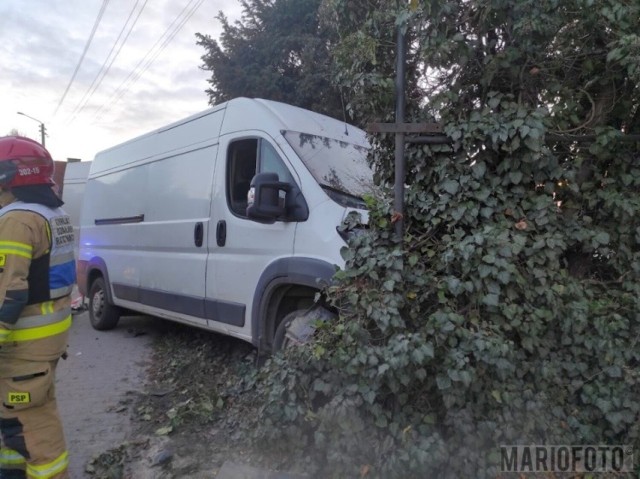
(297, 327)
(102, 314)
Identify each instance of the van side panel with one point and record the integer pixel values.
(173, 252)
(146, 214)
(107, 231)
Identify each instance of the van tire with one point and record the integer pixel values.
(301, 326)
(102, 314)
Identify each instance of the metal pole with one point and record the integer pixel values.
(400, 173)
(42, 127)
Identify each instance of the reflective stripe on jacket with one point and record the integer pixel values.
(29, 328)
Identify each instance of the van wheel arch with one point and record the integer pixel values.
(103, 314)
(286, 285)
(98, 269)
(285, 302)
(298, 327)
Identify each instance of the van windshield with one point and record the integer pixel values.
(339, 167)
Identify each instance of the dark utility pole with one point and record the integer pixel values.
(42, 127)
(428, 133)
(400, 169)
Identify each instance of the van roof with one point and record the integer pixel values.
(294, 118)
(276, 114)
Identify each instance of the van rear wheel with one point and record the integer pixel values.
(102, 314)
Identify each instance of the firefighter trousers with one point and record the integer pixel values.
(32, 441)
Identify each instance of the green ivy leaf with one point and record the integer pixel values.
(443, 382)
(451, 186)
(602, 238)
(515, 177)
(491, 300)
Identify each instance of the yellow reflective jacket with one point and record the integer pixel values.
(28, 330)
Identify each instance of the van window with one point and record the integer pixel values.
(271, 162)
(245, 158)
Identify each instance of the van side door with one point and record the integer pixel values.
(239, 248)
(174, 253)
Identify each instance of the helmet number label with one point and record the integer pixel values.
(35, 170)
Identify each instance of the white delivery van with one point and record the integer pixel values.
(73, 185)
(226, 220)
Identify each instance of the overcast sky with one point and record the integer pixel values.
(120, 89)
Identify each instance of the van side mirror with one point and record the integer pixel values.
(264, 201)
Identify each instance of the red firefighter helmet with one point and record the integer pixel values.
(24, 161)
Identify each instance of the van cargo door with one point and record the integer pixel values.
(175, 251)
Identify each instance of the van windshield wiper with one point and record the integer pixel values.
(342, 197)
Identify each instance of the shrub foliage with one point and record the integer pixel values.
(510, 311)
(277, 50)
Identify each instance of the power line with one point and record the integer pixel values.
(86, 47)
(144, 64)
(104, 69)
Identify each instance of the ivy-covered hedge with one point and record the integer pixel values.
(510, 312)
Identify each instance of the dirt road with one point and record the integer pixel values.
(93, 383)
(105, 372)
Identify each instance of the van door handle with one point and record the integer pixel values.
(198, 234)
(221, 233)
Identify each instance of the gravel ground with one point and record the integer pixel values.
(94, 385)
(153, 399)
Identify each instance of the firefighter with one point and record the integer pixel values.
(37, 274)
